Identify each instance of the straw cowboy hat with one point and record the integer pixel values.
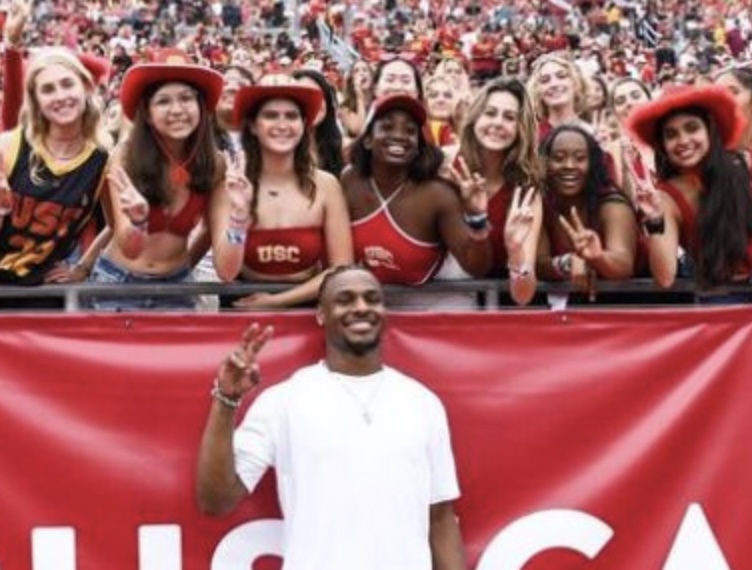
(168, 65)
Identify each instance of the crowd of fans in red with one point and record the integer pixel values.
(563, 79)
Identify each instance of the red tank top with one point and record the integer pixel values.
(181, 224)
(498, 208)
(393, 255)
(284, 251)
(688, 236)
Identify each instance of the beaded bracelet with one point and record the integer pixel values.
(222, 398)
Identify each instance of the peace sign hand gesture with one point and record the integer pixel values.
(132, 202)
(239, 188)
(586, 242)
(646, 197)
(472, 187)
(240, 372)
(519, 219)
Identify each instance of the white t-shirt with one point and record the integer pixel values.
(355, 487)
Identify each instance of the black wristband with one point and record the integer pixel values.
(476, 222)
(654, 227)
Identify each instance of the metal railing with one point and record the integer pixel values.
(489, 293)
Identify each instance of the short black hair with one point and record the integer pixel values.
(339, 270)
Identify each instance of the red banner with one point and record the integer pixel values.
(600, 440)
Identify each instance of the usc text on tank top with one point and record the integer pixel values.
(389, 252)
(49, 213)
(280, 252)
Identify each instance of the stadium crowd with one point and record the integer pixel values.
(269, 141)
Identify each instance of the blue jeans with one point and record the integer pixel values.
(107, 272)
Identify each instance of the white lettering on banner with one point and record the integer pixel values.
(532, 534)
(159, 547)
(695, 545)
(240, 548)
(53, 548)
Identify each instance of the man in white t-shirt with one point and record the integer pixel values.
(365, 471)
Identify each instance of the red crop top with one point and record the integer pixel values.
(284, 251)
(181, 224)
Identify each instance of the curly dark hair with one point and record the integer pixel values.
(598, 182)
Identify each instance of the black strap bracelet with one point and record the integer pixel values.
(654, 227)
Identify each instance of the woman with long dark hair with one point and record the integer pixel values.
(298, 226)
(701, 200)
(327, 136)
(161, 179)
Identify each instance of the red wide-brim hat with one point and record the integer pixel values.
(171, 66)
(714, 99)
(99, 67)
(248, 99)
(407, 103)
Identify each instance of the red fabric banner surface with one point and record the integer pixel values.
(595, 439)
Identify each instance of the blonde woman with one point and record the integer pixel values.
(442, 107)
(559, 93)
(51, 171)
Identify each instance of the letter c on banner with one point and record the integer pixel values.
(530, 535)
(240, 548)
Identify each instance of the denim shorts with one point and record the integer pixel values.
(107, 272)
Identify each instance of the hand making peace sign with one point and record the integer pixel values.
(472, 187)
(586, 242)
(240, 372)
(646, 197)
(239, 188)
(520, 219)
(132, 202)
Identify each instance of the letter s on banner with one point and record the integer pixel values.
(530, 535)
(240, 548)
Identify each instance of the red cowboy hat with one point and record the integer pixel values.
(407, 103)
(168, 65)
(99, 67)
(250, 98)
(715, 99)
